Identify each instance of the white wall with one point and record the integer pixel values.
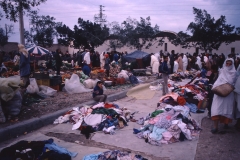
(226, 49)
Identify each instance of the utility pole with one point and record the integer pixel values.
(100, 18)
(21, 24)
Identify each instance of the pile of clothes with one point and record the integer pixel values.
(168, 124)
(100, 117)
(177, 77)
(29, 150)
(115, 154)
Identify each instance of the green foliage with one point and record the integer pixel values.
(89, 35)
(42, 31)
(3, 37)
(65, 34)
(208, 33)
(133, 33)
(11, 8)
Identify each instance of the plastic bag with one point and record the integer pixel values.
(123, 74)
(45, 90)
(8, 87)
(73, 85)
(90, 83)
(32, 87)
(13, 106)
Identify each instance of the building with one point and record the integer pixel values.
(233, 47)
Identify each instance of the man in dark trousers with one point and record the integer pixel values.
(98, 93)
(58, 61)
(163, 68)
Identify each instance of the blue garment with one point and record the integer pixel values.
(156, 134)
(24, 65)
(92, 156)
(97, 91)
(60, 150)
(163, 68)
(86, 69)
(115, 57)
(106, 65)
(192, 107)
(133, 79)
(203, 73)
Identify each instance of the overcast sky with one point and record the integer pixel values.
(173, 15)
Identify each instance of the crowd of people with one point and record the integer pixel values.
(217, 68)
(220, 70)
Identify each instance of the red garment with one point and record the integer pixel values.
(181, 101)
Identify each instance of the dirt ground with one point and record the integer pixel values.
(59, 101)
(81, 140)
(221, 146)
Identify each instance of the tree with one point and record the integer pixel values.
(89, 35)
(65, 34)
(133, 33)
(5, 33)
(12, 8)
(42, 31)
(208, 33)
(3, 37)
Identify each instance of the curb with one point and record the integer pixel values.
(15, 130)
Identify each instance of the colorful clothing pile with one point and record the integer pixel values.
(100, 117)
(116, 154)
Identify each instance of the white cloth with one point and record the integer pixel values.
(157, 55)
(185, 63)
(224, 105)
(175, 67)
(205, 59)
(199, 63)
(154, 64)
(87, 58)
(102, 61)
(93, 119)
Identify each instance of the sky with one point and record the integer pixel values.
(170, 15)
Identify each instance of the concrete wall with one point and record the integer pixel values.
(226, 49)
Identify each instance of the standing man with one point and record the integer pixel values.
(165, 71)
(24, 65)
(58, 61)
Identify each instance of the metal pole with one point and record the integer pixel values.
(21, 24)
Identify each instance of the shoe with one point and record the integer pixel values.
(214, 131)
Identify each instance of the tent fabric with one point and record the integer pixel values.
(135, 55)
(38, 50)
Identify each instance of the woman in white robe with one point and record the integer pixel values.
(87, 58)
(222, 107)
(154, 64)
(102, 60)
(237, 99)
(185, 63)
(199, 63)
(175, 67)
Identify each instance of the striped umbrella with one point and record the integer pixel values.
(38, 50)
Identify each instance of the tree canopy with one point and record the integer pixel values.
(12, 8)
(208, 33)
(42, 31)
(89, 34)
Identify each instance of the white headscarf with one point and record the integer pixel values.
(227, 74)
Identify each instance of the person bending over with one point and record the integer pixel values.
(98, 93)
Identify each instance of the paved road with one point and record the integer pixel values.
(123, 139)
